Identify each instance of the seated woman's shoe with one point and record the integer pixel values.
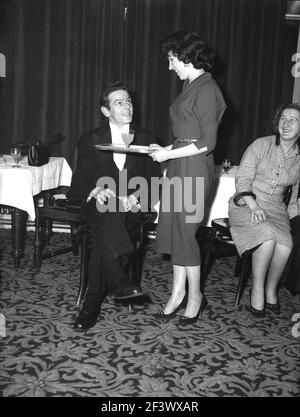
(190, 320)
(166, 317)
(276, 308)
(257, 313)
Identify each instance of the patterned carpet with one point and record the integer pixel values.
(227, 353)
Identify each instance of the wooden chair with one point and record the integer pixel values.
(220, 244)
(80, 238)
(71, 215)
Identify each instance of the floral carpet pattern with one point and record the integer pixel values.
(227, 353)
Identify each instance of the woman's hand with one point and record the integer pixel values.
(159, 153)
(258, 215)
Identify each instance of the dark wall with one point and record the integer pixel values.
(290, 48)
(60, 53)
(3, 80)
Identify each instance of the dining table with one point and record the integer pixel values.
(21, 188)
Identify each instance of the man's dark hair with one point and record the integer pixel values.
(110, 88)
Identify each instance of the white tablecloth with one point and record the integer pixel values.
(19, 185)
(224, 188)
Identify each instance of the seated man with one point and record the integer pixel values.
(102, 184)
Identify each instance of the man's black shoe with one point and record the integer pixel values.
(142, 300)
(128, 292)
(86, 319)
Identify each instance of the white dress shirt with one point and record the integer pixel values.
(116, 139)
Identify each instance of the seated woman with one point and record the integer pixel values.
(291, 275)
(258, 216)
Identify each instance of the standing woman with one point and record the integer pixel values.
(195, 116)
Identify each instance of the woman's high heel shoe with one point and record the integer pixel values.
(257, 313)
(276, 308)
(190, 320)
(166, 317)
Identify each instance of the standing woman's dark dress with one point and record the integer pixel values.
(195, 114)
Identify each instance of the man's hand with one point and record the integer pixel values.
(101, 194)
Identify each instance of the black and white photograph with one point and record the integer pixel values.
(149, 202)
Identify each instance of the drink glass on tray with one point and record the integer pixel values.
(128, 137)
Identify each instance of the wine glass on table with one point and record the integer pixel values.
(226, 164)
(128, 137)
(16, 153)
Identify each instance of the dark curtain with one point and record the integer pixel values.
(60, 53)
(247, 38)
(3, 80)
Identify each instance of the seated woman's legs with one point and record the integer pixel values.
(278, 262)
(261, 259)
(268, 262)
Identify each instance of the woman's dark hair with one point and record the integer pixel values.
(188, 48)
(277, 117)
(110, 88)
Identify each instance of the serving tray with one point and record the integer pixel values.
(123, 149)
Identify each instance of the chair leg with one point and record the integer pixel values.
(75, 238)
(48, 229)
(244, 274)
(83, 281)
(48, 201)
(209, 252)
(237, 268)
(38, 242)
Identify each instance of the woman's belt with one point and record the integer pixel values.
(184, 140)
